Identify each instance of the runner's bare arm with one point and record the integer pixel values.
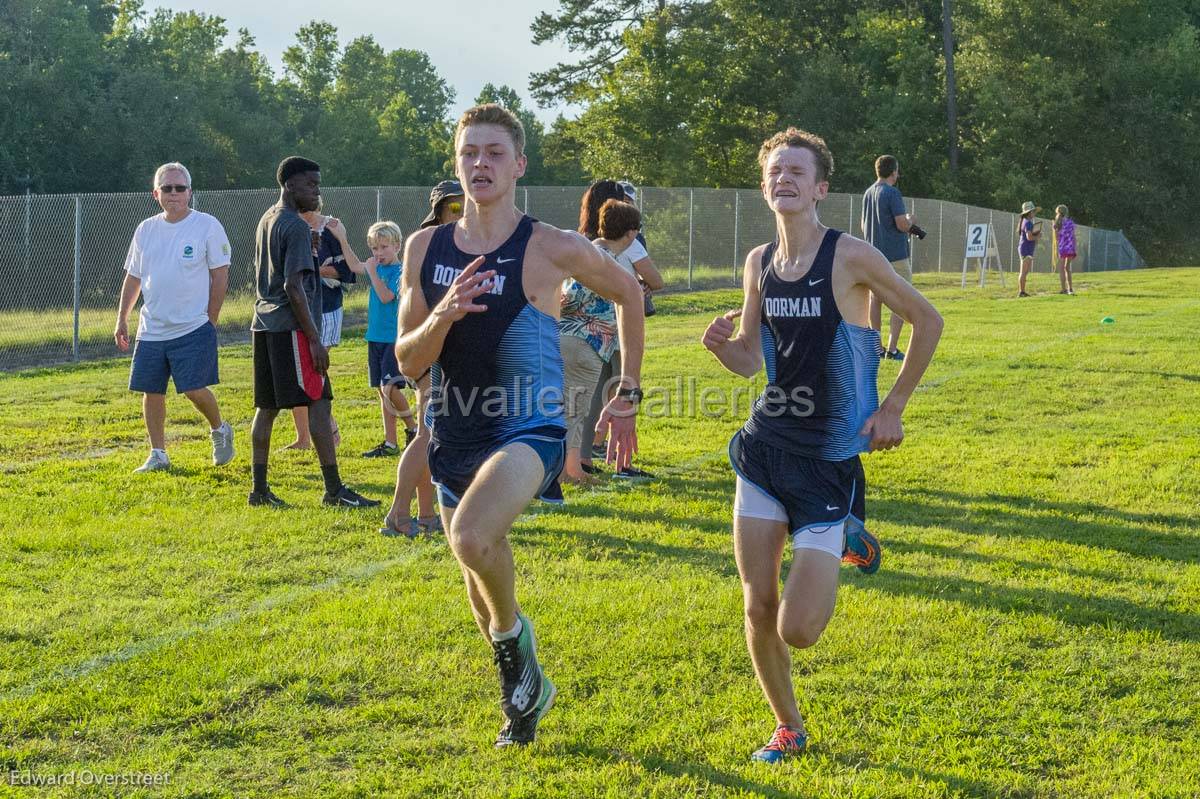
(866, 266)
(740, 354)
(576, 256)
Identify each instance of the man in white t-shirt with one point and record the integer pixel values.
(179, 262)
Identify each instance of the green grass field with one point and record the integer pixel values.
(1034, 631)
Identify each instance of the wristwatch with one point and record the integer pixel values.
(634, 395)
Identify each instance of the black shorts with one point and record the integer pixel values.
(813, 493)
(453, 469)
(284, 376)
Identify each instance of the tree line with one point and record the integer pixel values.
(94, 94)
(1088, 104)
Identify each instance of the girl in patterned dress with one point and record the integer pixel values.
(1064, 240)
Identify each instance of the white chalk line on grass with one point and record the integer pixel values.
(370, 570)
(145, 646)
(359, 573)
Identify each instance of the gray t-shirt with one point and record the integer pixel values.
(881, 205)
(283, 247)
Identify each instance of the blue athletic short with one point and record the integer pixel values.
(453, 468)
(381, 365)
(190, 360)
(813, 493)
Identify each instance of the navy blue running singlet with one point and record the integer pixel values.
(821, 370)
(500, 372)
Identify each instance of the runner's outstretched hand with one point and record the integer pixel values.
(466, 288)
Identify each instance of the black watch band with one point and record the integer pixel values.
(634, 395)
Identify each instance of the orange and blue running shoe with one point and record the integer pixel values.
(785, 741)
(862, 550)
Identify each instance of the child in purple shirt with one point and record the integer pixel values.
(1029, 232)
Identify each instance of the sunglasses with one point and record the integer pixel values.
(454, 207)
(167, 188)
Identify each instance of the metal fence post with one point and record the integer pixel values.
(25, 284)
(941, 208)
(991, 232)
(78, 236)
(526, 208)
(737, 214)
(1012, 245)
(691, 233)
(378, 205)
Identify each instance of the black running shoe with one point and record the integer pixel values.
(266, 498)
(409, 434)
(522, 731)
(347, 497)
(521, 679)
(600, 450)
(589, 468)
(382, 450)
(633, 473)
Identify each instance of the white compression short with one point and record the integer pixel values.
(751, 501)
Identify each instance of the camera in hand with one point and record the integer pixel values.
(919, 232)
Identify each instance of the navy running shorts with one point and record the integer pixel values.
(814, 494)
(453, 468)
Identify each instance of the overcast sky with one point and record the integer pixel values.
(470, 42)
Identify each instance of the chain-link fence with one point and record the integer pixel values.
(61, 256)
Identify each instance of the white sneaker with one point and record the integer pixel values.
(157, 462)
(222, 440)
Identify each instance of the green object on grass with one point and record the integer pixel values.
(1108, 320)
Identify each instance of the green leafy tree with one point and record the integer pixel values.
(384, 117)
(309, 71)
(51, 106)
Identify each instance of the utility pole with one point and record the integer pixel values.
(951, 90)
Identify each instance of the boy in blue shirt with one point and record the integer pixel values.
(383, 270)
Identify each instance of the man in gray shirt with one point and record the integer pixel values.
(290, 363)
(885, 225)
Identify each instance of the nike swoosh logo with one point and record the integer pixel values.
(815, 282)
(505, 260)
(831, 507)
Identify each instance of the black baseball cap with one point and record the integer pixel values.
(447, 188)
